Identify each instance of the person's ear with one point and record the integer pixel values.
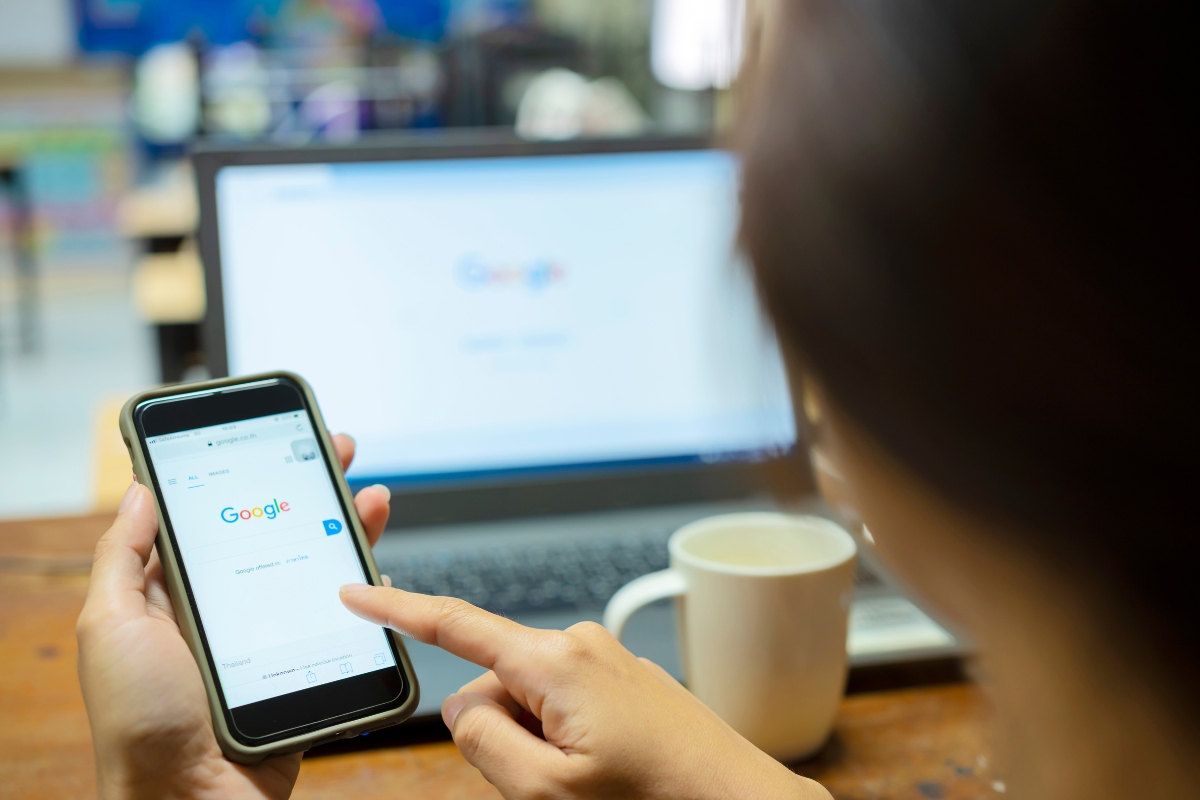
(828, 474)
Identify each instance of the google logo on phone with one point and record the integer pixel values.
(270, 511)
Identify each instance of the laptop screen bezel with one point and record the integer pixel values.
(514, 495)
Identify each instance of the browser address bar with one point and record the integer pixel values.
(227, 440)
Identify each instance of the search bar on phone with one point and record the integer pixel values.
(226, 440)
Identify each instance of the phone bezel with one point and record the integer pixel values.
(242, 396)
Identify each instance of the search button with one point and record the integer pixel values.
(332, 526)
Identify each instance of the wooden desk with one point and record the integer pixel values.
(920, 743)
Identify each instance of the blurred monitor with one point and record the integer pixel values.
(523, 313)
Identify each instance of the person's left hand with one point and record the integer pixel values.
(151, 727)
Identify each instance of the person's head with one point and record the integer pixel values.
(967, 223)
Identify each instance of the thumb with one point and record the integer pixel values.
(512, 759)
(117, 586)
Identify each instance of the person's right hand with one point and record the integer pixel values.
(573, 714)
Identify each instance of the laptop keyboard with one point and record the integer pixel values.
(573, 574)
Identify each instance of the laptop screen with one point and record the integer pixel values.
(475, 318)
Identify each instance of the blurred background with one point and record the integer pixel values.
(101, 290)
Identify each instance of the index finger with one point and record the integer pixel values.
(344, 445)
(454, 625)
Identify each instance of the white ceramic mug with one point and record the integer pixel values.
(762, 604)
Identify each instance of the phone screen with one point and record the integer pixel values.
(265, 544)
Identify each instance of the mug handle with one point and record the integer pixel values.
(639, 593)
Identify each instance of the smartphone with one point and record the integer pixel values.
(257, 530)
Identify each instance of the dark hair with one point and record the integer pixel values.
(968, 218)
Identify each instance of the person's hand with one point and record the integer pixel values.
(573, 714)
(151, 727)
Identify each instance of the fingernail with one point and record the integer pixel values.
(451, 708)
(127, 499)
(354, 588)
(387, 580)
(384, 489)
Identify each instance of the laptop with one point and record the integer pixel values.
(550, 353)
